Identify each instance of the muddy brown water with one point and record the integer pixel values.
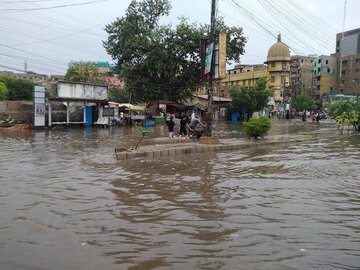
(66, 203)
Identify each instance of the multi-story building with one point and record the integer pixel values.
(324, 77)
(240, 75)
(278, 68)
(348, 53)
(301, 70)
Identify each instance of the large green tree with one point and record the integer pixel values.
(18, 89)
(161, 61)
(301, 103)
(250, 99)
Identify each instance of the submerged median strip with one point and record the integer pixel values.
(178, 148)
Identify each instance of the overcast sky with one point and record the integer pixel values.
(48, 34)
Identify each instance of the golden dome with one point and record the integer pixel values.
(278, 52)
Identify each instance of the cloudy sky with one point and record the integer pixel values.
(48, 34)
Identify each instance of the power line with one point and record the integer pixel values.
(53, 7)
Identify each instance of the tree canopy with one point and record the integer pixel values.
(346, 111)
(161, 61)
(303, 103)
(18, 89)
(250, 99)
(86, 72)
(3, 91)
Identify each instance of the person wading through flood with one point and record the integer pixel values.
(183, 124)
(171, 125)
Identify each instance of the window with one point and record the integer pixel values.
(272, 78)
(327, 62)
(319, 61)
(357, 61)
(273, 64)
(357, 69)
(343, 71)
(234, 71)
(328, 70)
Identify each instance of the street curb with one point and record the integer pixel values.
(178, 150)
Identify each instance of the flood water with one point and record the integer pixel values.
(66, 203)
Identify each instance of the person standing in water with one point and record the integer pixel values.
(171, 125)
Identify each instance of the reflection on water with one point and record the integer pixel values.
(66, 203)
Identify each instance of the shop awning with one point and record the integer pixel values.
(132, 107)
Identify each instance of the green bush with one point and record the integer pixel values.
(3, 91)
(256, 127)
(19, 89)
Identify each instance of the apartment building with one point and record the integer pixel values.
(348, 55)
(324, 76)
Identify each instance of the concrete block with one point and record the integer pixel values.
(209, 140)
(149, 154)
(172, 152)
(164, 153)
(157, 154)
(121, 155)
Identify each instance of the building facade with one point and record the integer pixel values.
(301, 70)
(278, 68)
(324, 77)
(348, 58)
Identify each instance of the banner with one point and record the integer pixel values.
(208, 57)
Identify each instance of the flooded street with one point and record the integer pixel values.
(66, 203)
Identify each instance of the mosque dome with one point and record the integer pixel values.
(278, 52)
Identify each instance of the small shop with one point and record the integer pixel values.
(78, 104)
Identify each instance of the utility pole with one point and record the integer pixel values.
(210, 75)
(342, 39)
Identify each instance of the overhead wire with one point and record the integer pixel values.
(305, 26)
(59, 37)
(53, 7)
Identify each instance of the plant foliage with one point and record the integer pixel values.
(143, 133)
(301, 103)
(161, 61)
(250, 99)
(257, 127)
(346, 111)
(86, 72)
(18, 89)
(4, 91)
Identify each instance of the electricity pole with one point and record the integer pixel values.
(210, 76)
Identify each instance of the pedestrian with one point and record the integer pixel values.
(183, 125)
(303, 116)
(171, 125)
(313, 116)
